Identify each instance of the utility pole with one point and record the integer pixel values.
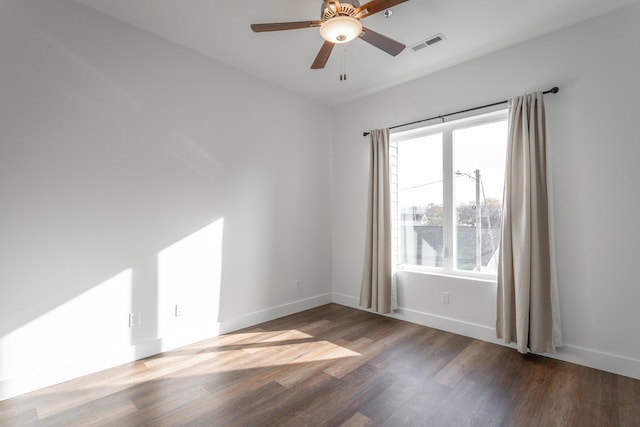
(477, 179)
(478, 223)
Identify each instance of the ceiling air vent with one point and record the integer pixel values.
(428, 42)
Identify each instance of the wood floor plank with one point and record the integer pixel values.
(379, 343)
(317, 360)
(358, 420)
(80, 392)
(337, 406)
(290, 404)
(336, 366)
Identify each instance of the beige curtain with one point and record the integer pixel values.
(376, 276)
(525, 313)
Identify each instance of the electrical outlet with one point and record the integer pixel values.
(298, 285)
(444, 297)
(135, 319)
(179, 310)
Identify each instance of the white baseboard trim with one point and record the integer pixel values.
(467, 329)
(271, 313)
(613, 363)
(98, 361)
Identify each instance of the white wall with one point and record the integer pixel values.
(134, 175)
(593, 150)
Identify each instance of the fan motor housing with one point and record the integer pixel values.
(346, 9)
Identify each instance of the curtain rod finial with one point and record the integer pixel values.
(555, 89)
(366, 133)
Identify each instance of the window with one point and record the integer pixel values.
(447, 182)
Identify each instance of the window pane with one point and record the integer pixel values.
(420, 201)
(479, 156)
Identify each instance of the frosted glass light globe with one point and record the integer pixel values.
(340, 29)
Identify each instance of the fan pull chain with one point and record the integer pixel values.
(343, 61)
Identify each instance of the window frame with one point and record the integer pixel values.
(449, 223)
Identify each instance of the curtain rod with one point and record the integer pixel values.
(442, 116)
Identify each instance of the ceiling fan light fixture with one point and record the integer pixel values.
(340, 29)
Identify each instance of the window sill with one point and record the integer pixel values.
(476, 277)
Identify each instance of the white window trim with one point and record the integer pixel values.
(397, 136)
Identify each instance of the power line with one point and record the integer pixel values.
(421, 185)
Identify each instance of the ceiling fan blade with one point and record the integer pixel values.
(280, 26)
(390, 46)
(323, 56)
(375, 6)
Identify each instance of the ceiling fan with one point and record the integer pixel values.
(339, 24)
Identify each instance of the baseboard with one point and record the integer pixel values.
(448, 324)
(95, 362)
(569, 353)
(613, 363)
(265, 315)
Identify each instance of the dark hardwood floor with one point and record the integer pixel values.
(336, 366)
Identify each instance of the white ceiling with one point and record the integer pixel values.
(220, 29)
